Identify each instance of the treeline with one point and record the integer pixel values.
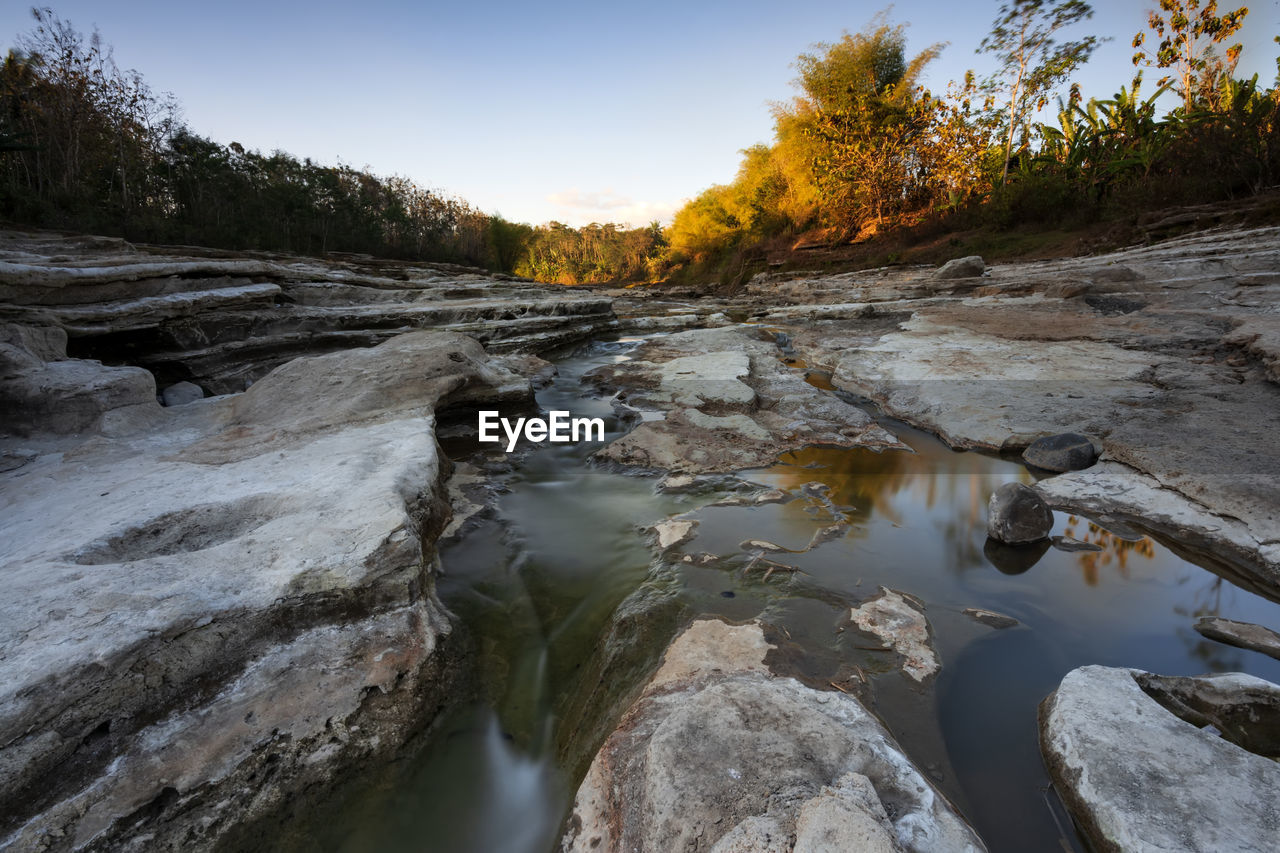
(864, 147)
(87, 146)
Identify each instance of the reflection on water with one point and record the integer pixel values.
(918, 524)
(1111, 549)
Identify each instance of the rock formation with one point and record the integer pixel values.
(1148, 763)
(720, 753)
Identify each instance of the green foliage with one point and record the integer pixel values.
(1032, 62)
(1188, 34)
(86, 145)
(592, 254)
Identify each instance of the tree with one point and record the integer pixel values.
(1188, 34)
(864, 115)
(1032, 63)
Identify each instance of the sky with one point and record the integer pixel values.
(568, 111)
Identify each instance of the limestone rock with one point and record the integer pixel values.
(1017, 515)
(673, 532)
(719, 400)
(1139, 777)
(968, 267)
(1068, 451)
(181, 393)
(899, 621)
(223, 323)
(1242, 634)
(684, 766)
(197, 594)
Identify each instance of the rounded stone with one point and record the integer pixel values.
(1017, 515)
(182, 393)
(1068, 451)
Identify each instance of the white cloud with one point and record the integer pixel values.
(576, 208)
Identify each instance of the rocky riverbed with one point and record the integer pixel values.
(223, 607)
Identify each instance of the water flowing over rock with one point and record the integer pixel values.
(899, 621)
(1017, 515)
(686, 766)
(1140, 763)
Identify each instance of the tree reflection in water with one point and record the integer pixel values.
(1113, 549)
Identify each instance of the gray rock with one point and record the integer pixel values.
(1070, 545)
(899, 621)
(240, 589)
(970, 267)
(727, 403)
(1242, 634)
(1138, 777)
(1068, 451)
(685, 766)
(182, 393)
(990, 618)
(1017, 515)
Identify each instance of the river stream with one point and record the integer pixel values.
(537, 583)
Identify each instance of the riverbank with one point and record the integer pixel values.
(171, 563)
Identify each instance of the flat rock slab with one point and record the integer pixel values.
(720, 754)
(1245, 635)
(1137, 777)
(720, 400)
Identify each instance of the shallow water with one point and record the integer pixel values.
(536, 587)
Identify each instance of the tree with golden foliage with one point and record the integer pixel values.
(1189, 33)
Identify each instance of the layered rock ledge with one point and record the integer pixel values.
(223, 320)
(213, 607)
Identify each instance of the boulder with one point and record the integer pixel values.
(1140, 764)
(182, 393)
(1068, 451)
(1017, 515)
(719, 753)
(970, 267)
(1245, 635)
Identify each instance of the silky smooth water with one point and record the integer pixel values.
(537, 584)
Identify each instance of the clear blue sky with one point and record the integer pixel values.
(576, 111)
